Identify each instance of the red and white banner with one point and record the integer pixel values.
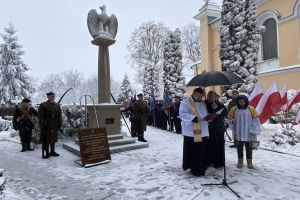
(269, 104)
(295, 99)
(256, 95)
(283, 95)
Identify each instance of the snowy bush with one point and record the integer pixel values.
(5, 125)
(73, 117)
(285, 136)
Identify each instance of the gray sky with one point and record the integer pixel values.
(55, 34)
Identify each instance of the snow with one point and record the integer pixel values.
(150, 173)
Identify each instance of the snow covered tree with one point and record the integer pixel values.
(190, 39)
(126, 90)
(240, 39)
(14, 80)
(173, 77)
(146, 54)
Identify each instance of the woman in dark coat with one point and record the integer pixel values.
(216, 130)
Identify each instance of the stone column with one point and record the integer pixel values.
(103, 68)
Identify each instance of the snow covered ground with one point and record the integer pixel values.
(151, 173)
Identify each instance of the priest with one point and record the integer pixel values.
(194, 116)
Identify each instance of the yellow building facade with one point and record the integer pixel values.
(279, 55)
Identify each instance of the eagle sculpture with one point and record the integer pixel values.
(101, 24)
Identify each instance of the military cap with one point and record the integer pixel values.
(50, 94)
(26, 100)
(139, 95)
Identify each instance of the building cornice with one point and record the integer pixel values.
(282, 70)
(209, 9)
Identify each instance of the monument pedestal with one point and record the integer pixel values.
(108, 117)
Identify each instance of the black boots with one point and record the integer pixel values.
(52, 152)
(45, 150)
(141, 138)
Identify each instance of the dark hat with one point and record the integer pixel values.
(26, 100)
(140, 95)
(50, 94)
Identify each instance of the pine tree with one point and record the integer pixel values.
(13, 78)
(126, 90)
(151, 81)
(173, 77)
(240, 41)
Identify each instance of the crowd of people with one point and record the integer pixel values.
(202, 120)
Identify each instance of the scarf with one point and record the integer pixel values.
(196, 126)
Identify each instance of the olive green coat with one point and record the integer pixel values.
(140, 113)
(50, 121)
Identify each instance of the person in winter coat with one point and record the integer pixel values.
(175, 115)
(22, 121)
(244, 118)
(232, 104)
(140, 114)
(193, 113)
(216, 129)
(50, 122)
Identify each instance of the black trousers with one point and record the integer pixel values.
(25, 136)
(177, 123)
(195, 154)
(240, 149)
(216, 148)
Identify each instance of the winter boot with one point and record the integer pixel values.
(250, 164)
(240, 163)
(143, 139)
(52, 152)
(45, 149)
(23, 146)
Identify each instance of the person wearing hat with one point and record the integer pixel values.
(50, 122)
(194, 116)
(22, 121)
(216, 129)
(140, 113)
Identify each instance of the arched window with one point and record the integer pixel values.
(269, 40)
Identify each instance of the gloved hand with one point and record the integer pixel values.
(195, 120)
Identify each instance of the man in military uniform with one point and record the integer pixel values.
(50, 122)
(175, 114)
(140, 113)
(22, 121)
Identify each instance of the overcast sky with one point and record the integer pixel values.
(55, 34)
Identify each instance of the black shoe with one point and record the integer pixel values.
(29, 149)
(143, 140)
(53, 153)
(22, 150)
(232, 146)
(46, 156)
(198, 174)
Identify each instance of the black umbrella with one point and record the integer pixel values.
(215, 78)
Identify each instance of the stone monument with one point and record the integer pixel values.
(103, 29)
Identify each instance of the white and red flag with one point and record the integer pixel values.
(256, 95)
(269, 104)
(295, 99)
(283, 95)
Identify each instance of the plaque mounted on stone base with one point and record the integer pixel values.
(94, 148)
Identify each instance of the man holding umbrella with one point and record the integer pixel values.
(193, 114)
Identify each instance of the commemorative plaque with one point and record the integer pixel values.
(94, 149)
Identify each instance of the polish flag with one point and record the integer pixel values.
(269, 103)
(295, 99)
(283, 95)
(256, 95)
(297, 120)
